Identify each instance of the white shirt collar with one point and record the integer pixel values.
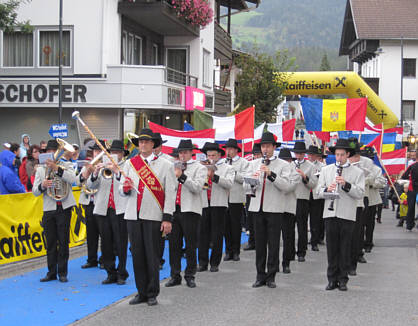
(346, 165)
(149, 158)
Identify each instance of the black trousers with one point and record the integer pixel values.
(363, 222)
(302, 211)
(185, 225)
(288, 234)
(410, 217)
(339, 233)
(250, 223)
(267, 244)
(379, 211)
(92, 226)
(113, 231)
(144, 236)
(56, 225)
(356, 247)
(211, 231)
(369, 226)
(316, 209)
(233, 228)
(321, 224)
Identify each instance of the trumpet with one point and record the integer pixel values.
(210, 165)
(265, 160)
(339, 172)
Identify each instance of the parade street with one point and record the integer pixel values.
(385, 292)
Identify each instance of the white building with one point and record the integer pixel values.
(124, 62)
(375, 33)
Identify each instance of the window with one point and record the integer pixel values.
(206, 68)
(409, 67)
(131, 49)
(408, 110)
(49, 48)
(155, 54)
(177, 66)
(17, 49)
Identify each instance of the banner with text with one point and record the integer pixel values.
(21, 233)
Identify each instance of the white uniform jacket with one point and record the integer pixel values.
(303, 189)
(345, 207)
(150, 210)
(67, 174)
(240, 166)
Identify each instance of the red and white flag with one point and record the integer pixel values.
(173, 137)
(394, 161)
(283, 130)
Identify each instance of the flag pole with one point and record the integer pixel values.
(359, 137)
(310, 136)
(381, 139)
(386, 171)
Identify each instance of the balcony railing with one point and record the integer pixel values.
(222, 100)
(158, 16)
(223, 44)
(180, 78)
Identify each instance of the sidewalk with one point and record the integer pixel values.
(385, 292)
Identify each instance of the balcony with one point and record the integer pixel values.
(363, 50)
(158, 16)
(222, 101)
(223, 44)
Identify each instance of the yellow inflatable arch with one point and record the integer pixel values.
(341, 82)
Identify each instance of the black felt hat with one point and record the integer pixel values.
(232, 143)
(285, 154)
(96, 147)
(355, 145)
(314, 150)
(268, 138)
(174, 153)
(117, 145)
(158, 140)
(368, 152)
(343, 144)
(212, 147)
(52, 144)
(257, 148)
(144, 134)
(185, 145)
(299, 147)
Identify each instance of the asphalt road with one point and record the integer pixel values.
(385, 292)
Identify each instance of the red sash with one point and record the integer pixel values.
(147, 177)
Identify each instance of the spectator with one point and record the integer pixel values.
(27, 174)
(403, 204)
(9, 181)
(43, 144)
(302, 134)
(75, 156)
(15, 149)
(24, 145)
(297, 133)
(411, 174)
(6, 146)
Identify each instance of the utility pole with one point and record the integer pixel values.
(60, 66)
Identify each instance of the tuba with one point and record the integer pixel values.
(60, 189)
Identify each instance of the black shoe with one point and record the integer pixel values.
(227, 257)
(138, 299)
(120, 281)
(202, 268)
(173, 282)
(48, 278)
(235, 257)
(286, 270)
(315, 248)
(342, 287)
(101, 266)
(88, 265)
(191, 283)
(249, 247)
(214, 269)
(301, 259)
(378, 220)
(368, 250)
(352, 272)
(63, 279)
(321, 242)
(399, 225)
(152, 301)
(331, 286)
(362, 260)
(110, 280)
(258, 284)
(271, 284)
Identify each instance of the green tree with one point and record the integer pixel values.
(8, 16)
(325, 66)
(256, 83)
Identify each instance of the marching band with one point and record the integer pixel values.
(201, 203)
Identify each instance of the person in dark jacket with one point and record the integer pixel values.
(9, 180)
(411, 174)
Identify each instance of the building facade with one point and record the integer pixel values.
(381, 41)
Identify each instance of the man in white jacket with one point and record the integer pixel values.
(340, 214)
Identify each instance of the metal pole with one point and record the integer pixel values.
(60, 66)
(402, 82)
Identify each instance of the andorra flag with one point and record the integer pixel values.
(334, 115)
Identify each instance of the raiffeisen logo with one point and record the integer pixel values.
(304, 85)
